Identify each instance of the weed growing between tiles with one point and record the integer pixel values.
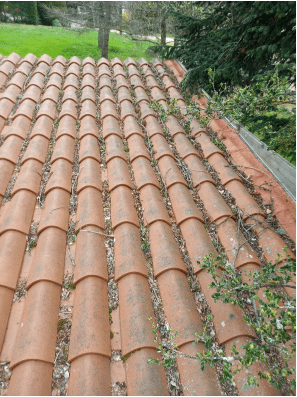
(46, 169)
(249, 185)
(194, 110)
(5, 375)
(201, 303)
(118, 388)
(274, 331)
(7, 196)
(8, 78)
(71, 234)
(61, 365)
(20, 96)
(75, 174)
(32, 238)
(113, 293)
(252, 313)
(172, 374)
(68, 287)
(20, 290)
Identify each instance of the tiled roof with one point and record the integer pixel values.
(121, 204)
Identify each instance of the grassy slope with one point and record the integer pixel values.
(39, 40)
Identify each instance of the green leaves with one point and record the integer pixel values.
(237, 45)
(274, 321)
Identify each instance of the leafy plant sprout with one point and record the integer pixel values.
(274, 322)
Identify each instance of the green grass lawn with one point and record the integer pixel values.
(39, 40)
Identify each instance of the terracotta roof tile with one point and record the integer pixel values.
(122, 207)
(72, 69)
(55, 80)
(26, 378)
(89, 69)
(42, 69)
(104, 70)
(18, 128)
(124, 94)
(121, 82)
(88, 61)
(88, 81)
(18, 80)
(13, 244)
(89, 175)
(103, 61)
(26, 109)
(92, 335)
(114, 147)
(131, 127)
(116, 61)
(61, 176)
(88, 94)
(6, 170)
(60, 60)
(55, 212)
(135, 310)
(29, 177)
(64, 149)
(32, 93)
(132, 70)
(51, 249)
(45, 58)
(153, 207)
(11, 93)
(17, 215)
(88, 127)
(118, 70)
(90, 374)
(89, 148)
(90, 255)
(114, 170)
(71, 81)
(165, 251)
(129, 257)
(216, 207)
(143, 173)
(74, 60)
(58, 68)
(11, 149)
(37, 149)
(118, 173)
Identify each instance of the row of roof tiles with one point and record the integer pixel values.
(33, 353)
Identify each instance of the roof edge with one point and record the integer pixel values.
(284, 196)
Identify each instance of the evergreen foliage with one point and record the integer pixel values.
(239, 40)
(45, 19)
(28, 12)
(21, 11)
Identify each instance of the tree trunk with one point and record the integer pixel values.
(163, 24)
(107, 7)
(100, 25)
(120, 18)
(2, 17)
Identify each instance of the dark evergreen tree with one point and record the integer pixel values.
(239, 40)
(44, 18)
(21, 11)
